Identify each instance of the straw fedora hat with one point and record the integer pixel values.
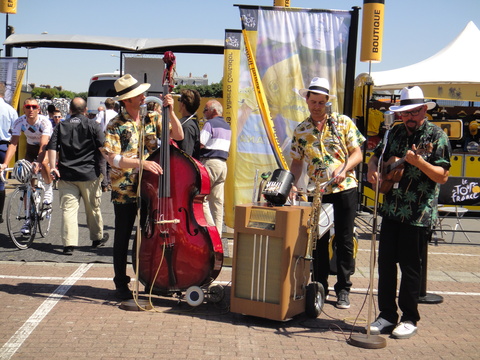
(318, 86)
(128, 87)
(410, 98)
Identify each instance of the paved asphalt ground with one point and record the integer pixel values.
(62, 307)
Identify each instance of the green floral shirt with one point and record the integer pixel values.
(412, 200)
(323, 152)
(122, 137)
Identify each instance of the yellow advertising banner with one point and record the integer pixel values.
(12, 71)
(231, 74)
(8, 6)
(284, 3)
(372, 30)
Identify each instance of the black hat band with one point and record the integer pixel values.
(412, 101)
(325, 90)
(128, 89)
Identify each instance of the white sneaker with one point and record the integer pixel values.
(380, 326)
(404, 330)
(25, 230)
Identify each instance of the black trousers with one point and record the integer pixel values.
(125, 215)
(400, 243)
(344, 212)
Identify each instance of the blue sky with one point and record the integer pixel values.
(414, 30)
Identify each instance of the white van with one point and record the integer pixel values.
(101, 87)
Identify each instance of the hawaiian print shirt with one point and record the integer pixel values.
(323, 151)
(412, 200)
(122, 137)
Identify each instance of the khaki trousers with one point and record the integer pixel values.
(70, 194)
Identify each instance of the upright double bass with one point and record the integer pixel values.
(178, 250)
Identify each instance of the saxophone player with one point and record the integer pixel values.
(330, 144)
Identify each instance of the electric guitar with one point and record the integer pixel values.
(392, 170)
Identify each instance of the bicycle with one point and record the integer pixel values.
(25, 213)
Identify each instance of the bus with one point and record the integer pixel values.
(100, 88)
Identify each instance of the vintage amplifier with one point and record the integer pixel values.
(269, 270)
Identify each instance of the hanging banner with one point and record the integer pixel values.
(12, 71)
(231, 70)
(8, 6)
(372, 30)
(289, 47)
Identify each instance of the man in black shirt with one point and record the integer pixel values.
(78, 141)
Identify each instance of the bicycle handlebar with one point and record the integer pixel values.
(2, 175)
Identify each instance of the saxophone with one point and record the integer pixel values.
(313, 223)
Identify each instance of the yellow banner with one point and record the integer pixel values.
(8, 6)
(263, 105)
(284, 3)
(231, 70)
(372, 30)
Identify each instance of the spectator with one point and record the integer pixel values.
(78, 142)
(7, 117)
(215, 140)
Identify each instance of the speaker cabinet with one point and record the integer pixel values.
(269, 272)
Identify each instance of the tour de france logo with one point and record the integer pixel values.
(467, 190)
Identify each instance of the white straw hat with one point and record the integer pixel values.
(128, 87)
(318, 86)
(410, 98)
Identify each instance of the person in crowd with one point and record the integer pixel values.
(104, 115)
(78, 141)
(57, 117)
(189, 101)
(124, 156)
(7, 117)
(50, 110)
(37, 129)
(215, 139)
(408, 210)
(330, 156)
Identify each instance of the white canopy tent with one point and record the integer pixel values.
(451, 74)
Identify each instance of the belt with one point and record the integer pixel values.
(4, 142)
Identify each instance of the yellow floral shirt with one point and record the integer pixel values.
(122, 137)
(323, 152)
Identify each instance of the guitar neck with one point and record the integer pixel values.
(395, 164)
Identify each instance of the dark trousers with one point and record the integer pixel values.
(400, 243)
(105, 170)
(344, 212)
(125, 215)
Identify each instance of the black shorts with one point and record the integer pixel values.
(32, 152)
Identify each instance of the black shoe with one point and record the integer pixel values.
(68, 250)
(100, 243)
(123, 293)
(342, 300)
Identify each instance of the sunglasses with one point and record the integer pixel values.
(412, 112)
(56, 117)
(33, 107)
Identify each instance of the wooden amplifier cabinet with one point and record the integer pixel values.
(269, 273)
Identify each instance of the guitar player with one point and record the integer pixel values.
(408, 210)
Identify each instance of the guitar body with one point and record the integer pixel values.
(391, 171)
(390, 176)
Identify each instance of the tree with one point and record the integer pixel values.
(214, 90)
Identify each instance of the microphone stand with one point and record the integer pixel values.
(369, 341)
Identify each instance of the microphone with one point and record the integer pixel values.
(388, 119)
(143, 112)
(328, 109)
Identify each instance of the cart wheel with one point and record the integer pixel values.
(314, 300)
(194, 295)
(215, 293)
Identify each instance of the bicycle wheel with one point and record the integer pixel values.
(44, 216)
(21, 224)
